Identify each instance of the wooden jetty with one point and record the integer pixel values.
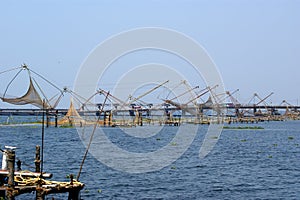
(14, 183)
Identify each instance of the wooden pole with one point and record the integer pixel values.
(47, 118)
(110, 118)
(37, 160)
(141, 119)
(11, 173)
(104, 118)
(91, 138)
(74, 193)
(39, 193)
(56, 115)
(43, 138)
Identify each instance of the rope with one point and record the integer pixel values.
(57, 100)
(91, 138)
(28, 181)
(81, 100)
(76, 96)
(41, 92)
(11, 82)
(88, 100)
(10, 70)
(46, 80)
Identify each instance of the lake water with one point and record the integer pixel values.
(245, 164)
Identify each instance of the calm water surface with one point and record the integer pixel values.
(245, 164)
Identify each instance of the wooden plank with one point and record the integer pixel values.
(27, 174)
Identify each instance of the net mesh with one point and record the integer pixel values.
(30, 97)
(72, 117)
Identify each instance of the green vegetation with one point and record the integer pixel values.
(174, 144)
(243, 127)
(21, 123)
(66, 126)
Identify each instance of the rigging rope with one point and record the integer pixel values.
(46, 80)
(76, 96)
(11, 82)
(10, 70)
(91, 138)
(45, 98)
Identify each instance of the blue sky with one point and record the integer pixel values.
(255, 44)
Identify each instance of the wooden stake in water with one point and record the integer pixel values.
(43, 135)
(11, 173)
(37, 160)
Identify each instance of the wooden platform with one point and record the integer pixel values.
(27, 174)
(14, 183)
(41, 187)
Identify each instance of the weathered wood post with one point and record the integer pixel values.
(37, 160)
(254, 109)
(39, 195)
(11, 173)
(110, 119)
(56, 116)
(140, 119)
(104, 118)
(47, 118)
(74, 193)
